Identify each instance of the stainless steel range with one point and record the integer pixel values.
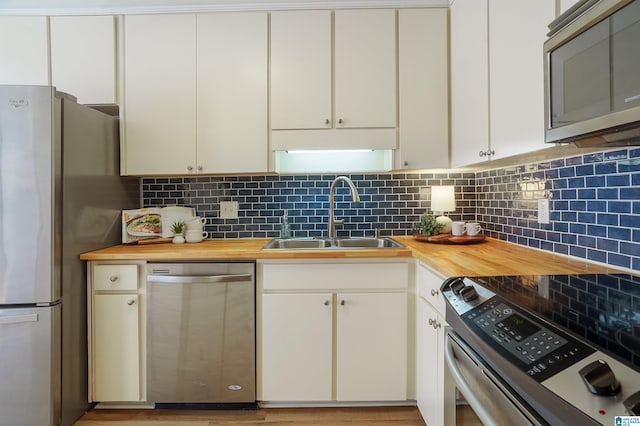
(550, 349)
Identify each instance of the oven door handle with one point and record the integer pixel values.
(480, 410)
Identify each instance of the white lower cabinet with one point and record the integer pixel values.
(430, 374)
(337, 335)
(371, 342)
(116, 333)
(296, 332)
(116, 347)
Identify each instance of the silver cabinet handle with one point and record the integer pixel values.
(434, 292)
(113, 278)
(405, 163)
(190, 168)
(487, 153)
(199, 168)
(342, 303)
(131, 302)
(327, 121)
(326, 303)
(340, 121)
(434, 323)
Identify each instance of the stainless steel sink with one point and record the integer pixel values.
(367, 243)
(297, 243)
(331, 244)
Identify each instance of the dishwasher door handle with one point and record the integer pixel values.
(194, 279)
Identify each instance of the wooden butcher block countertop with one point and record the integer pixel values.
(491, 257)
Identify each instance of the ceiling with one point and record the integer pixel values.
(117, 7)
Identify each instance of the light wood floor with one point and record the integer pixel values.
(397, 416)
(339, 416)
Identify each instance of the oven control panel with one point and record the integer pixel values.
(540, 351)
(524, 340)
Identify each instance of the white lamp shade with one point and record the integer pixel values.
(443, 198)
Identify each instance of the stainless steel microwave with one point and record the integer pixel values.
(592, 75)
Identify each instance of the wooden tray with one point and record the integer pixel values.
(450, 239)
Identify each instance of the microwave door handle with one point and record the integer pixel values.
(480, 410)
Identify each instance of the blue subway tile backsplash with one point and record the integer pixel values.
(390, 203)
(594, 203)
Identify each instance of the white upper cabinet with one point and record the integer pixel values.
(423, 88)
(159, 104)
(566, 4)
(301, 70)
(320, 91)
(469, 81)
(83, 57)
(497, 106)
(24, 50)
(195, 94)
(232, 93)
(365, 68)
(517, 31)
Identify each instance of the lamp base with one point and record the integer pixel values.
(445, 222)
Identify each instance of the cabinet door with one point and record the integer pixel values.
(116, 347)
(566, 4)
(517, 30)
(429, 373)
(24, 50)
(301, 69)
(365, 68)
(371, 347)
(297, 332)
(469, 81)
(232, 93)
(423, 88)
(159, 111)
(83, 57)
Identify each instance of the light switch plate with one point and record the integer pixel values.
(228, 209)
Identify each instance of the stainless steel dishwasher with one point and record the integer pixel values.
(201, 334)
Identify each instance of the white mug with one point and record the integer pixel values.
(196, 223)
(195, 236)
(473, 228)
(457, 229)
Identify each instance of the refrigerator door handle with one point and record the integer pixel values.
(12, 319)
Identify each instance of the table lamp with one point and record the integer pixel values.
(443, 199)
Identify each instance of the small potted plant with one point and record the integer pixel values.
(178, 229)
(427, 226)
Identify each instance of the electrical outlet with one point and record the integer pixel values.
(228, 209)
(543, 210)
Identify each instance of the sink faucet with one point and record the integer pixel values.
(332, 216)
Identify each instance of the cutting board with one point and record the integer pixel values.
(450, 239)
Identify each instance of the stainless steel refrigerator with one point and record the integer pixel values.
(60, 195)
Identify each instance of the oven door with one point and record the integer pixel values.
(491, 399)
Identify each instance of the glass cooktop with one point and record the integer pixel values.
(601, 309)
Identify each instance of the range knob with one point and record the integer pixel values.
(469, 293)
(632, 404)
(456, 285)
(600, 379)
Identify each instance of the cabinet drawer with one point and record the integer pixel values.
(323, 276)
(428, 287)
(115, 277)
